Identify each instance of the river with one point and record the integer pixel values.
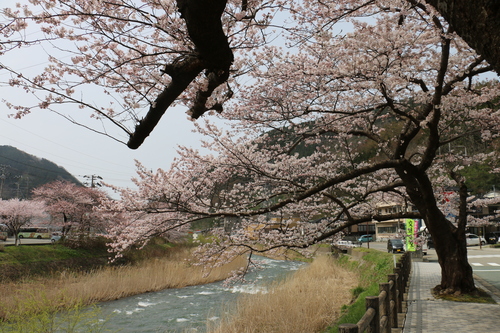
(186, 309)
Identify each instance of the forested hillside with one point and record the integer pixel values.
(21, 172)
(479, 177)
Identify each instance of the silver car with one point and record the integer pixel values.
(473, 239)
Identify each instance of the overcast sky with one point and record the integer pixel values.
(80, 151)
(83, 152)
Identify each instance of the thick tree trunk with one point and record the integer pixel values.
(450, 245)
(213, 54)
(449, 240)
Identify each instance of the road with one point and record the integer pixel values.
(25, 241)
(485, 261)
(486, 264)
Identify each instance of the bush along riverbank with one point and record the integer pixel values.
(306, 301)
(21, 263)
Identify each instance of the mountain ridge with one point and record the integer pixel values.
(21, 172)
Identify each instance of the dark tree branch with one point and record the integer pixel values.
(182, 73)
(212, 54)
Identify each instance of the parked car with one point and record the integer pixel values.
(365, 238)
(473, 239)
(395, 246)
(346, 243)
(55, 238)
(493, 237)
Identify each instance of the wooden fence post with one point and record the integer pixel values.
(399, 287)
(372, 302)
(392, 296)
(394, 300)
(386, 307)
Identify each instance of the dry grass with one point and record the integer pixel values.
(308, 301)
(68, 289)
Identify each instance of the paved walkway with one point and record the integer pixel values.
(427, 314)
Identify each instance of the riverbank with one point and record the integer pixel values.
(68, 289)
(306, 301)
(309, 301)
(315, 299)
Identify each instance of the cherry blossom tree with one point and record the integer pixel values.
(323, 131)
(155, 55)
(326, 133)
(17, 213)
(73, 204)
(126, 48)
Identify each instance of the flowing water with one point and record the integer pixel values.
(187, 309)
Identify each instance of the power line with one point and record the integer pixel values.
(35, 166)
(58, 144)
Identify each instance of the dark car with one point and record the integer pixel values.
(493, 237)
(395, 246)
(430, 243)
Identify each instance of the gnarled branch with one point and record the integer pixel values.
(212, 53)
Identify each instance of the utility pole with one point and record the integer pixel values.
(18, 184)
(94, 181)
(2, 179)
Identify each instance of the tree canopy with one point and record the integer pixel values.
(148, 57)
(390, 76)
(72, 206)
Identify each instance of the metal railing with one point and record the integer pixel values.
(382, 311)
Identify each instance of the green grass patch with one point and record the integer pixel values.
(26, 254)
(372, 268)
(40, 253)
(25, 262)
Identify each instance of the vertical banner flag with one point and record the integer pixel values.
(410, 234)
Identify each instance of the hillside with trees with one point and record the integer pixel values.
(21, 172)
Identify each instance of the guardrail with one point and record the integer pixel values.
(382, 311)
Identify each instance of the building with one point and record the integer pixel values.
(393, 228)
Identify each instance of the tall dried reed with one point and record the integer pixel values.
(71, 289)
(308, 301)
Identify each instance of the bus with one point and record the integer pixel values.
(3, 232)
(37, 233)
